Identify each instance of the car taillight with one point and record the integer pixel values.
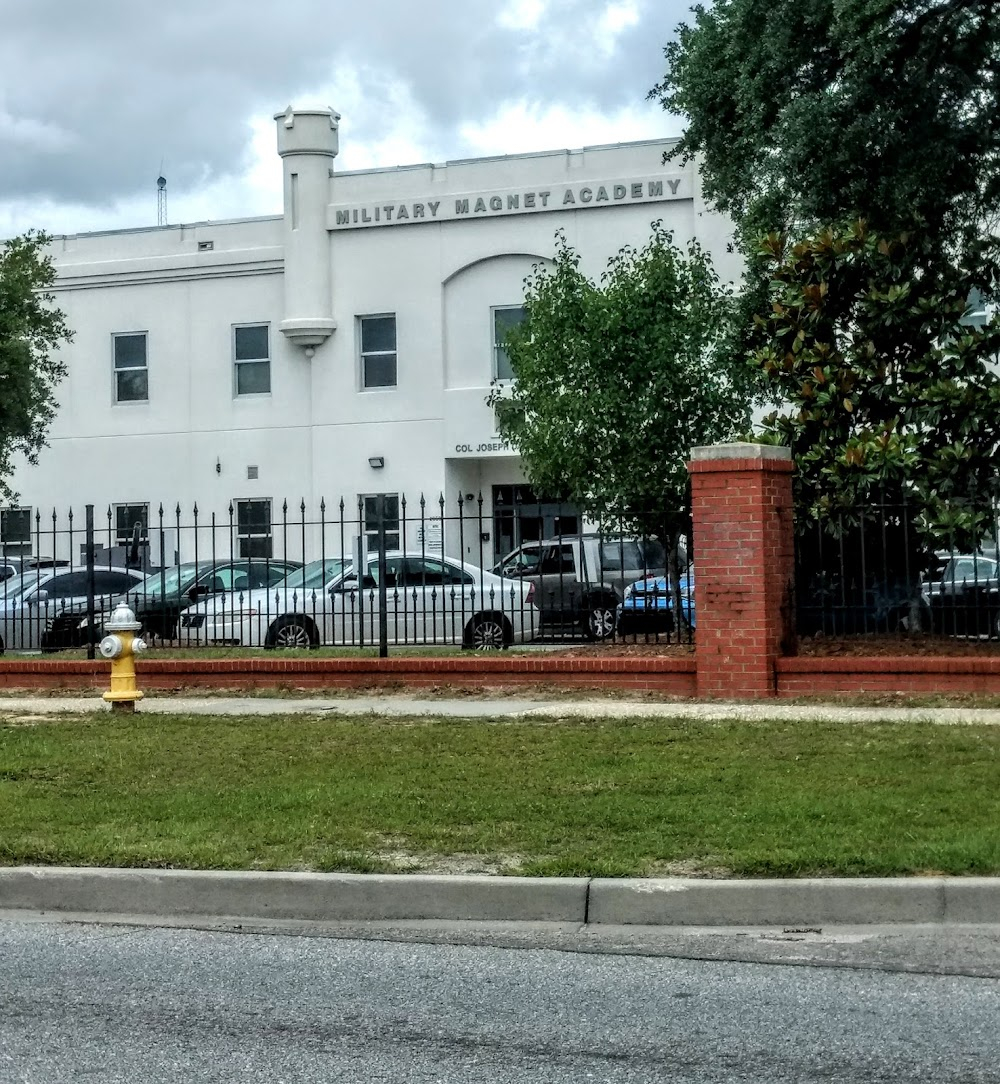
(529, 598)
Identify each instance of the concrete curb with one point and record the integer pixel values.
(318, 897)
(802, 902)
(347, 897)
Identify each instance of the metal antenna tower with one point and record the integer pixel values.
(161, 200)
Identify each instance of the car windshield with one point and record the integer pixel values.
(21, 585)
(312, 575)
(169, 581)
(970, 568)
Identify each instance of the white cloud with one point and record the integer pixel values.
(526, 126)
(521, 15)
(96, 95)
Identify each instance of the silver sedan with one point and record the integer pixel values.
(29, 603)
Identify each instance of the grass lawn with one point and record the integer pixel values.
(567, 797)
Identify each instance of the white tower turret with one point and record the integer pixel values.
(307, 144)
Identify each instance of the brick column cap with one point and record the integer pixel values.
(740, 456)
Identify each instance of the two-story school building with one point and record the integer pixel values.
(342, 349)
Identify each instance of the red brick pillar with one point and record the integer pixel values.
(744, 566)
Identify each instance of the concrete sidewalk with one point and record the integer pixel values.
(392, 705)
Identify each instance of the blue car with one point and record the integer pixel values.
(648, 606)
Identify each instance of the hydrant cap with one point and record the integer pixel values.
(122, 620)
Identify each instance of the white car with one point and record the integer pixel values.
(32, 603)
(430, 600)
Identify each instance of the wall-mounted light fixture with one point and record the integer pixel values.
(218, 465)
(376, 462)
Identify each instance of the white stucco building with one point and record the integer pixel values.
(340, 349)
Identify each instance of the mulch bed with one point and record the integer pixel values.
(813, 646)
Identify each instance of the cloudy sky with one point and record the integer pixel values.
(98, 96)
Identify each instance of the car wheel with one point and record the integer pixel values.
(600, 622)
(292, 632)
(488, 632)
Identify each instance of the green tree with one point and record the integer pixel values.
(618, 380)
(31, 331)
(807, 112)
(886, 388)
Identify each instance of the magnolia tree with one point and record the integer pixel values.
(616, 381)
(885, 387)
(31, 331)
(807, 113)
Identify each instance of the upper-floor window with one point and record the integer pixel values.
(503, 320)
(252, 359)
(131, 368)
(378, 351)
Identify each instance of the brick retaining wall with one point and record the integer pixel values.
(671, 676)
(914, 675)
(802, 676)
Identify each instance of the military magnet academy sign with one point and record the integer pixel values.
(510, 202)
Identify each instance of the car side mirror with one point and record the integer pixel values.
(40, 596)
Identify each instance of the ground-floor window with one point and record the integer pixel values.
(128, 517)
(15, 532)
(386, 506)
(253, 528)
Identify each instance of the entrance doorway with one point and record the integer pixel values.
(520, 515)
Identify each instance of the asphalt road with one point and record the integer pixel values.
(99, 1003)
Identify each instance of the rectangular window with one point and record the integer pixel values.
(503, 320)
(253, 528)
(15, 532)
(252, 359)
(389, 503)
(131, 368)
(378, 351)
(127, 518)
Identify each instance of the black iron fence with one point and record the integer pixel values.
(371, 572)
(879, 569)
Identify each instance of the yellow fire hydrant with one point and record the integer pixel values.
(121, 646)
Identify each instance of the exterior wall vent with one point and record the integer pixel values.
(251, 474)
(206, 246)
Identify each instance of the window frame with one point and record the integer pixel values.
(15, 547)
(363, 355)
(116, 368)
(497, 346)
(124, 537)
(249, 535)
(237, 362)
(370, 534)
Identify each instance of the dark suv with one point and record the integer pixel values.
(580, 579)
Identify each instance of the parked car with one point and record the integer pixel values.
(648, 606)
(14, 566)
(159, 598)
(963, 599)
(31, 602)
(431, 600)
(580, 580)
